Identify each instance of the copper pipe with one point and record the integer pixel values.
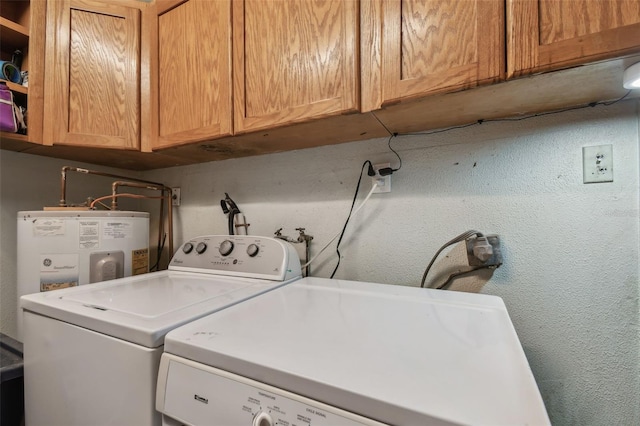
(157, 186)
(170, 218)
(152, 187)
(116, 184)
(63, 180)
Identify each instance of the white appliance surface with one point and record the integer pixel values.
(399, 355)
(92, 352)
(141, 309)
(60, 249)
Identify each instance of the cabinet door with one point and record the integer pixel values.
(293, 60)
(92, 82)
(550, 34)
(412, 48)
(194, 71)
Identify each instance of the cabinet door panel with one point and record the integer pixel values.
(194, 47)
(436, 36)
(429, 46)
(552, 34)
(564, 20)
(93, 88)
(293, 60)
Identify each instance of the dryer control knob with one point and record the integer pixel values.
(201, 248)
(187, 248)
(252, 250)
(262, 419)
(226, 247)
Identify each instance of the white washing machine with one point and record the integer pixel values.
(91, 353)
(332, 352)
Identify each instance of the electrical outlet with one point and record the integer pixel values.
(597, 163)
(384, 182)
(484, 251)
(175, 196)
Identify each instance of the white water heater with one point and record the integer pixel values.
(59, 249)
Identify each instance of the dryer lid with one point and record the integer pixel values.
(397, 354)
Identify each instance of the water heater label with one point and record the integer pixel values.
(48, 227)
(117, 230)
(89, 234)
(140, 261)
(58, 271)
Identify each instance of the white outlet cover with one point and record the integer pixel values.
(597, 163)
(384, 182)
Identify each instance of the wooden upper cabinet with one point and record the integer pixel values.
(293, 60)
(413, 48)
(93, 74)
(194, 71)
(551, 34)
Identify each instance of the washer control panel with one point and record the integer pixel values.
(238, 255)
(196, 394)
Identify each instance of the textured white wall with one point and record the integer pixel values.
(29, 182)
(570, 273)
(571, 251)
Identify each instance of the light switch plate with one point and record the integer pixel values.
(597, 163)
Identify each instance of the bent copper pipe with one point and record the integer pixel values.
(152, 187)
(157, 186)
(63, 180)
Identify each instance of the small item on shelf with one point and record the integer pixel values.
(25, 78)
(16, 58)
(21, 118)
(11, 116)
(10, 72)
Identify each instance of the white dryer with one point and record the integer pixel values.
(332, 352)
(91, 353)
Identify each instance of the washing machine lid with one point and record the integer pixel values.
(396, 354)
(143, 308)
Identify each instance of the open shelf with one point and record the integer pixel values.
(15, 137)
(14, 36)
(16, 87)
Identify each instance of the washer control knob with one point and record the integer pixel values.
(252, 250)
(262, 419)
(226, 247)
(187, 248)
(201, 248)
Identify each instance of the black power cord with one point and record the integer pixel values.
(159, 254)
(371, 172)
(388, 170)
(525, 117)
